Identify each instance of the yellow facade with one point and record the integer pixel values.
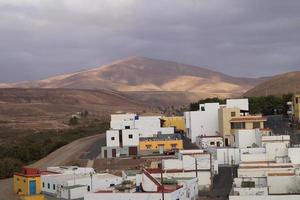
(158, 144)
(175, 121)
(22, 184)
(225, 115)
(296, 105)
(33, 197)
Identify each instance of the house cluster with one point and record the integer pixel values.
(73, 182)
(131, 135)
(215, 125)
(294, 110)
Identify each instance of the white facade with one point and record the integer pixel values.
(285, 139)
(185, 189)
(130, 137)
(228, 156)
(207, 142)
(205, 122)
(245, 138)
(52, 184)
(293, 154)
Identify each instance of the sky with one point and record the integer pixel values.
(250, 38)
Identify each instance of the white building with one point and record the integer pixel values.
(205, 121)
(204, 142)
(59, 185)
(150, 188)
(190, 163)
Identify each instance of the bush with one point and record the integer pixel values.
(8, 166)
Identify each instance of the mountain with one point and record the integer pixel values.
(136, 74)
(277, 85)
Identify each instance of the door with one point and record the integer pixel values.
(113, 153)
(226, 142)
(32, 187)
(105, 153)
(132, 151)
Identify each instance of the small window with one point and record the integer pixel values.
(18, 179)
(24, 181)
(148, 147)
(112, 138)
(111, 185)
(130, 136)
(212, 143)
(127, 127)
(232, 114)
(43, 184)
(174, 146)
(88, 188)
(53, 187)
(256, 125)
(48, 185)
(202, 108)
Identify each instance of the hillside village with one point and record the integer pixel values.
(218, 152)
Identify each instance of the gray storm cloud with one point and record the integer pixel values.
(39, 39)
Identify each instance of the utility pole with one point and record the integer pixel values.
(162, 182)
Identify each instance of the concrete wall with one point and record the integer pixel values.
(74, 193)
(207, 142)
(284, 184)
(228, 156)
(112, 138)
(130, 137)
(205, 123)
(293, 154)
(242, 104)
(245, 138)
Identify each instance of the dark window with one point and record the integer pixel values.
(112, 138)
(111, 185)
(218, 144)
(130, 136)
(43, 184)
(48, 185)
(127, 127)
(53, 187)
(148, 147)
(88, 188)
(174, 146)
(202, 108)
(18, 179)
(297, 100)
(256, 125)
(232, 114)
(24, 181)
(237, 125)
(212, 143)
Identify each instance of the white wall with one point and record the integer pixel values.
(75, 193)
(247, 137)
(276, 150)
(242, 104)
(228, 156)
(112, 138)
(284, 184)
(134, 141)
(204, 123)
(293, 154)
(205, 142)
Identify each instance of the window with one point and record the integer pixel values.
(53, 187)
(218, 144)
(212, 143)
(237, 125)
(174, 146)
(112, 138)
(48, 185)
(43, 184)
(127, 127)
(111, 185)
(18, 179)
(297, 100)
(88, 188)
(232, 114)
(148, 147)
(130, 136)
(256, 125)
(202, 108)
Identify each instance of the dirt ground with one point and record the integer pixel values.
(6, 190)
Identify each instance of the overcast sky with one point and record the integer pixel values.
(250, 38)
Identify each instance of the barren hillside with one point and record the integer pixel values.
(278, 85)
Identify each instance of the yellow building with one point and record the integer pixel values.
(161, 143)
(27, 184)
(175, 121)
(296, 106)
(231, 119)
